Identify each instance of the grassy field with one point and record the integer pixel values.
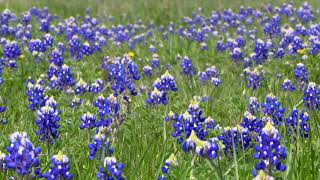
(139, 142)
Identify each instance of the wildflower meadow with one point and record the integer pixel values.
(114, 90)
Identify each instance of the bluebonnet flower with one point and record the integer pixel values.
(315, 44)
(157, 97)
(11, 50)
(155, 61)
(296, 121)
(81, 87)
(22, 155)
(123, 72)
(56, 57)
(48, 116)
(221, 46)
(296, 45)
(304, 124)
(35, 93)
(187, 67)
(168, 164)
(269, 151)
(251, 122)
(111, 169)
(47, 40)
(88, 121)
(107, 106)
(287, 85)
(311, 97)
(235, 138)
(44, 25)
(210, 74)
(76, 101)
(26, 18)
(254, 106)
(301, 74)
(279, 53)
(272, 28)
(59, 168)
(65, 77)
(147, 71)
(75, 48)
(97, 86)
(254, 77)
(261, 50)
(36, 46)
(208, 149)
(215, 81)
(272, 108)
(166, 82)
(87, 49)
(236, 54)
(101, 144)
(191, 130)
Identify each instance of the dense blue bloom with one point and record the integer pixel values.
(123, 72)
(107, 106)
(47, 40)
(187, 67)
(236, 54)
(155, 61)
(101, 144)
(236, 138)
(272, 108)
(254, 106)
(301, 74)
(56, 57)
(311, 97)
(36, 46)
(35, 94)
(59, 168)
(157, 97)
(254, 77)
(251, 122)
(11, 50)
(60, 77)
(48, 116)
(86, 49)
(97, 86)
(88, 121)
(191, 130)
(147, 71)
(261, 50)
(75, 47)
(296, 121)
(211, 74)
(287, 85)
(22, 155)
(269, 150)
(111, 169)
(166, 83)
(81, 87)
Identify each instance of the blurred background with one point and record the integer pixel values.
(161, 11)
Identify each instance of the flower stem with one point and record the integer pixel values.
(192, 166)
